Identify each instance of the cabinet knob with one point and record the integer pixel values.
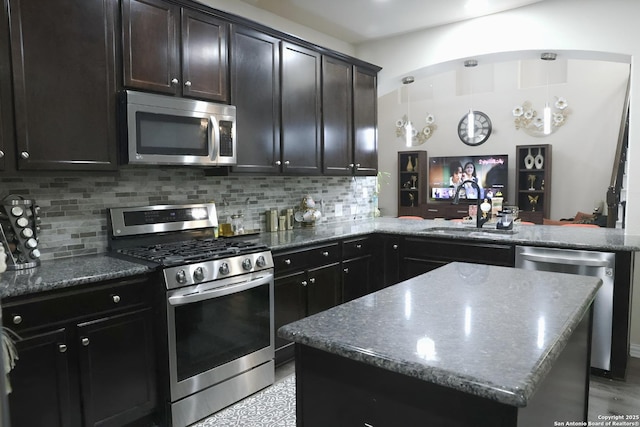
(174, 81)
(17, 319)
(395, 247)
(278, 162)
(116, 298)
(357, 165)
(358, 246)
(187, 83)
(303, 283)
(286, 162)
(312, 280)
(287, 261)
(24, 155)
(85, 341)
(351, 165)
(1, 154)
(325, 253)
(62, 348)
(346, 270)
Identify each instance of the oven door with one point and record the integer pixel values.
(219, 329)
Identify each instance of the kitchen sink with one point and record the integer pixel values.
(470, 231)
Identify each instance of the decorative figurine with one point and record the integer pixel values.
(413, 182)
(411, 198)
(532, 180)
(533, 201)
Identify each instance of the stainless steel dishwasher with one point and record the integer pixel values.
(586, 263)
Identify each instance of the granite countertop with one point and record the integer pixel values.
(67, 272)
(489, 331)
(90, 269)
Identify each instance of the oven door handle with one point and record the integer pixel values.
(187, 297)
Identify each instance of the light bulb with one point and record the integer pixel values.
(471, 124)
(546, 119)
(408, 133)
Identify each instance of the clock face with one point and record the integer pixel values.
(481, 128)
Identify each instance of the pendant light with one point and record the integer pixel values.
(408, 127)
(546, 113)
(470, 63)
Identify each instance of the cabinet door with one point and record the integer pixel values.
(151, 58)
(337, 116)
(204, 56)
(391, 260)
(63, 59)
(289, 306)
(323, 289)
(365, 122)
(300, 110)
(41, 394)
(357, 278)
(117, 368)
(6, 102)
(255, 88)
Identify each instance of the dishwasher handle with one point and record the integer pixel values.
(551, 259)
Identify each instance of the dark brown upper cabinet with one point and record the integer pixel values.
(301, 111)
(63, 73)
(255, 82)
(174, 50)
(337, 116)
(365, 121)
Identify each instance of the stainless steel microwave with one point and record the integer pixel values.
(166, 130)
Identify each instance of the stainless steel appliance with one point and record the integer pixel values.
(167, 130)
(218, 310)
(19, 229)
(586, 263)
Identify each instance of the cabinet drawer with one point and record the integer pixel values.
(50, 309)
(306, 258)
(354, 248)
(456, 250)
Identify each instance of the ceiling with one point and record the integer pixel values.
(358, 21)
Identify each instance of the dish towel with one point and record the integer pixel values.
(10, 354)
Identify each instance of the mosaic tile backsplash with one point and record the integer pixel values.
(73, 205)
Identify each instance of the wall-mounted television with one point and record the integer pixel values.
(447, 173)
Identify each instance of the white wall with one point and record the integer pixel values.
(583, 149)
(581, 28)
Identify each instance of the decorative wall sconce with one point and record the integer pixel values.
(527, 118)
(405, 128)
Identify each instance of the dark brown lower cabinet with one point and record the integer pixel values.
(84, 358)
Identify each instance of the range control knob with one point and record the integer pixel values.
(198, 274)
(246, 264)
(261, 262)
(224, 268)
(181, 277)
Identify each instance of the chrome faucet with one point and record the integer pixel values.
(480, 216)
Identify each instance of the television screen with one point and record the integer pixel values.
(446, 174)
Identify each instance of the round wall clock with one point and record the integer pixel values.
(481, 128)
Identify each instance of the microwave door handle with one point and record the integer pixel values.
(214, 142)
(178, 300)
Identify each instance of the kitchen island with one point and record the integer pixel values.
(462, 345)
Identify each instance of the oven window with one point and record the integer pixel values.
(167, 134)
(213, 332)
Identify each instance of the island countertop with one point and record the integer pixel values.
(493, 332)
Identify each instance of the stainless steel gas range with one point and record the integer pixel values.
(217, 296)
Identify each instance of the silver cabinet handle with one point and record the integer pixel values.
(174, 81)
(62, 348)
(187, 83)
(358, 246)
(116, 299)
(1, 154)
(304, 283)
(325, 253)
(357, 165)
(24, 155)
(286, 162)
(85, 341)
(278, 162)
(395, 247)
(17, 319)
(351, 165)
(287, 261)
(312, 280)
(346, 270)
